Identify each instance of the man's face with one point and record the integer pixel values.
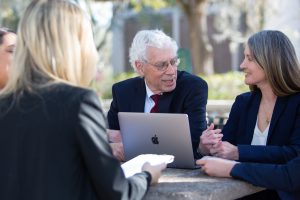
(160, 69)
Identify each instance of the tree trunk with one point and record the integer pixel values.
(201, 50)
(196, 44)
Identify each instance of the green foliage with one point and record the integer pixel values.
(103, 83)
(139, 5)
(9, 19)
(225, 86)
(220, 86)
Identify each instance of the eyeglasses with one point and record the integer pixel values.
(163, 65)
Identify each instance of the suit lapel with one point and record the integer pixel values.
(137, 102)
(164, 102)
(278, 109)
(252, 117)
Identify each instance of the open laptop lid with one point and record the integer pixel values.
(157, 133)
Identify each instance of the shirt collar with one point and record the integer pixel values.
(148, 91)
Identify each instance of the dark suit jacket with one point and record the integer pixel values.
(53, 145)
(189, 96)
(283, 142)
(283, 178)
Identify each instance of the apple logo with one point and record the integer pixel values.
(155, 139)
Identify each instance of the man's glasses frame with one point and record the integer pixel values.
(163, 65)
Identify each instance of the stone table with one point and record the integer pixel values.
(187, 184)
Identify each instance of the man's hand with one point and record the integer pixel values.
(209, 138)
(118, 150)
(114, 135)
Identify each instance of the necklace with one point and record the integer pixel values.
(267, 120)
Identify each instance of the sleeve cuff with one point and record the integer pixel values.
(148, 178)
(235, 170)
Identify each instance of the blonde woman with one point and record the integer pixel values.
(53, 133)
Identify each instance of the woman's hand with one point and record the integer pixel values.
(154, 170)
(225, 150)
(216, 166)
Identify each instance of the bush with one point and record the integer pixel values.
(103, 82)
(220, 86)
(225, 86)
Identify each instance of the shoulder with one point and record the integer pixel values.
(128, 83)
(291, 101)
(189, 80)
(68, 95)
(246, 99)
(57, 100)
(65, 90)
(294, 97)
(248, 96)
(244, 96)
(68, 100)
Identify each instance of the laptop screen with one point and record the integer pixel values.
(157, 133)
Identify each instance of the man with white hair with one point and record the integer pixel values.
(153, 55)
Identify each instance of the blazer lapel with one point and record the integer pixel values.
(164, 102)
(252, 117)
(279, 107)
(137, 103)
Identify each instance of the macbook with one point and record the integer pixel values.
(157, 133)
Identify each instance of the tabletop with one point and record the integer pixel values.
(188, 184)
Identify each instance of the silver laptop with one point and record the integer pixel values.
(157, 133)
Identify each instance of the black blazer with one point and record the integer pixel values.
(189, 96)
(283, 178)
(283, 142)
(53, 145)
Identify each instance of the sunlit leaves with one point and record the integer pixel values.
(139, 5)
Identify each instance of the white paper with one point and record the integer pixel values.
(134, 165)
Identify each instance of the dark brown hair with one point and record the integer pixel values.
(4, 31)
(275, 54)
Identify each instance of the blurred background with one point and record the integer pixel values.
(210, 33)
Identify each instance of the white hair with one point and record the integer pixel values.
(149, 38)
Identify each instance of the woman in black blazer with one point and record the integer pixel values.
(53, 142)
(263, 125)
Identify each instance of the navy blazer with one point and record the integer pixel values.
(53, 145)
(283, 142)
(283, 178)
(189, 96)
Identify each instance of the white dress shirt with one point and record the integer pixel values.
(149, 103)
(260, 138)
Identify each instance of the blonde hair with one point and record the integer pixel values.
(275, 54)
(54, 45)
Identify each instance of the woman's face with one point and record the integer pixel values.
(254, 74)
(6, 53)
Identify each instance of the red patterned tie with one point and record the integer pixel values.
(155, 98)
